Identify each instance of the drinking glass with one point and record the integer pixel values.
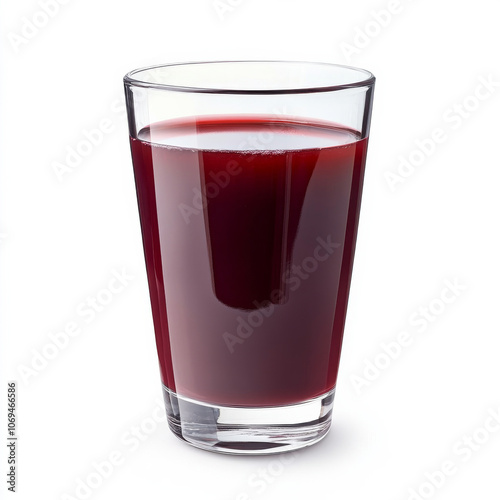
(249, 177)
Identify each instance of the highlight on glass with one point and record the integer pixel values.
(249, 177)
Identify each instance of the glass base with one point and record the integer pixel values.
(249, 430)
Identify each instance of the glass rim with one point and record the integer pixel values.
(368, 80)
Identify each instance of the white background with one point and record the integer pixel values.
(61, 240)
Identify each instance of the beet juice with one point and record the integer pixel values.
(249, 228)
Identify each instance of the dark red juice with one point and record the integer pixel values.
(249, 226)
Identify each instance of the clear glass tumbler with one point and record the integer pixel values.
(249, 177)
